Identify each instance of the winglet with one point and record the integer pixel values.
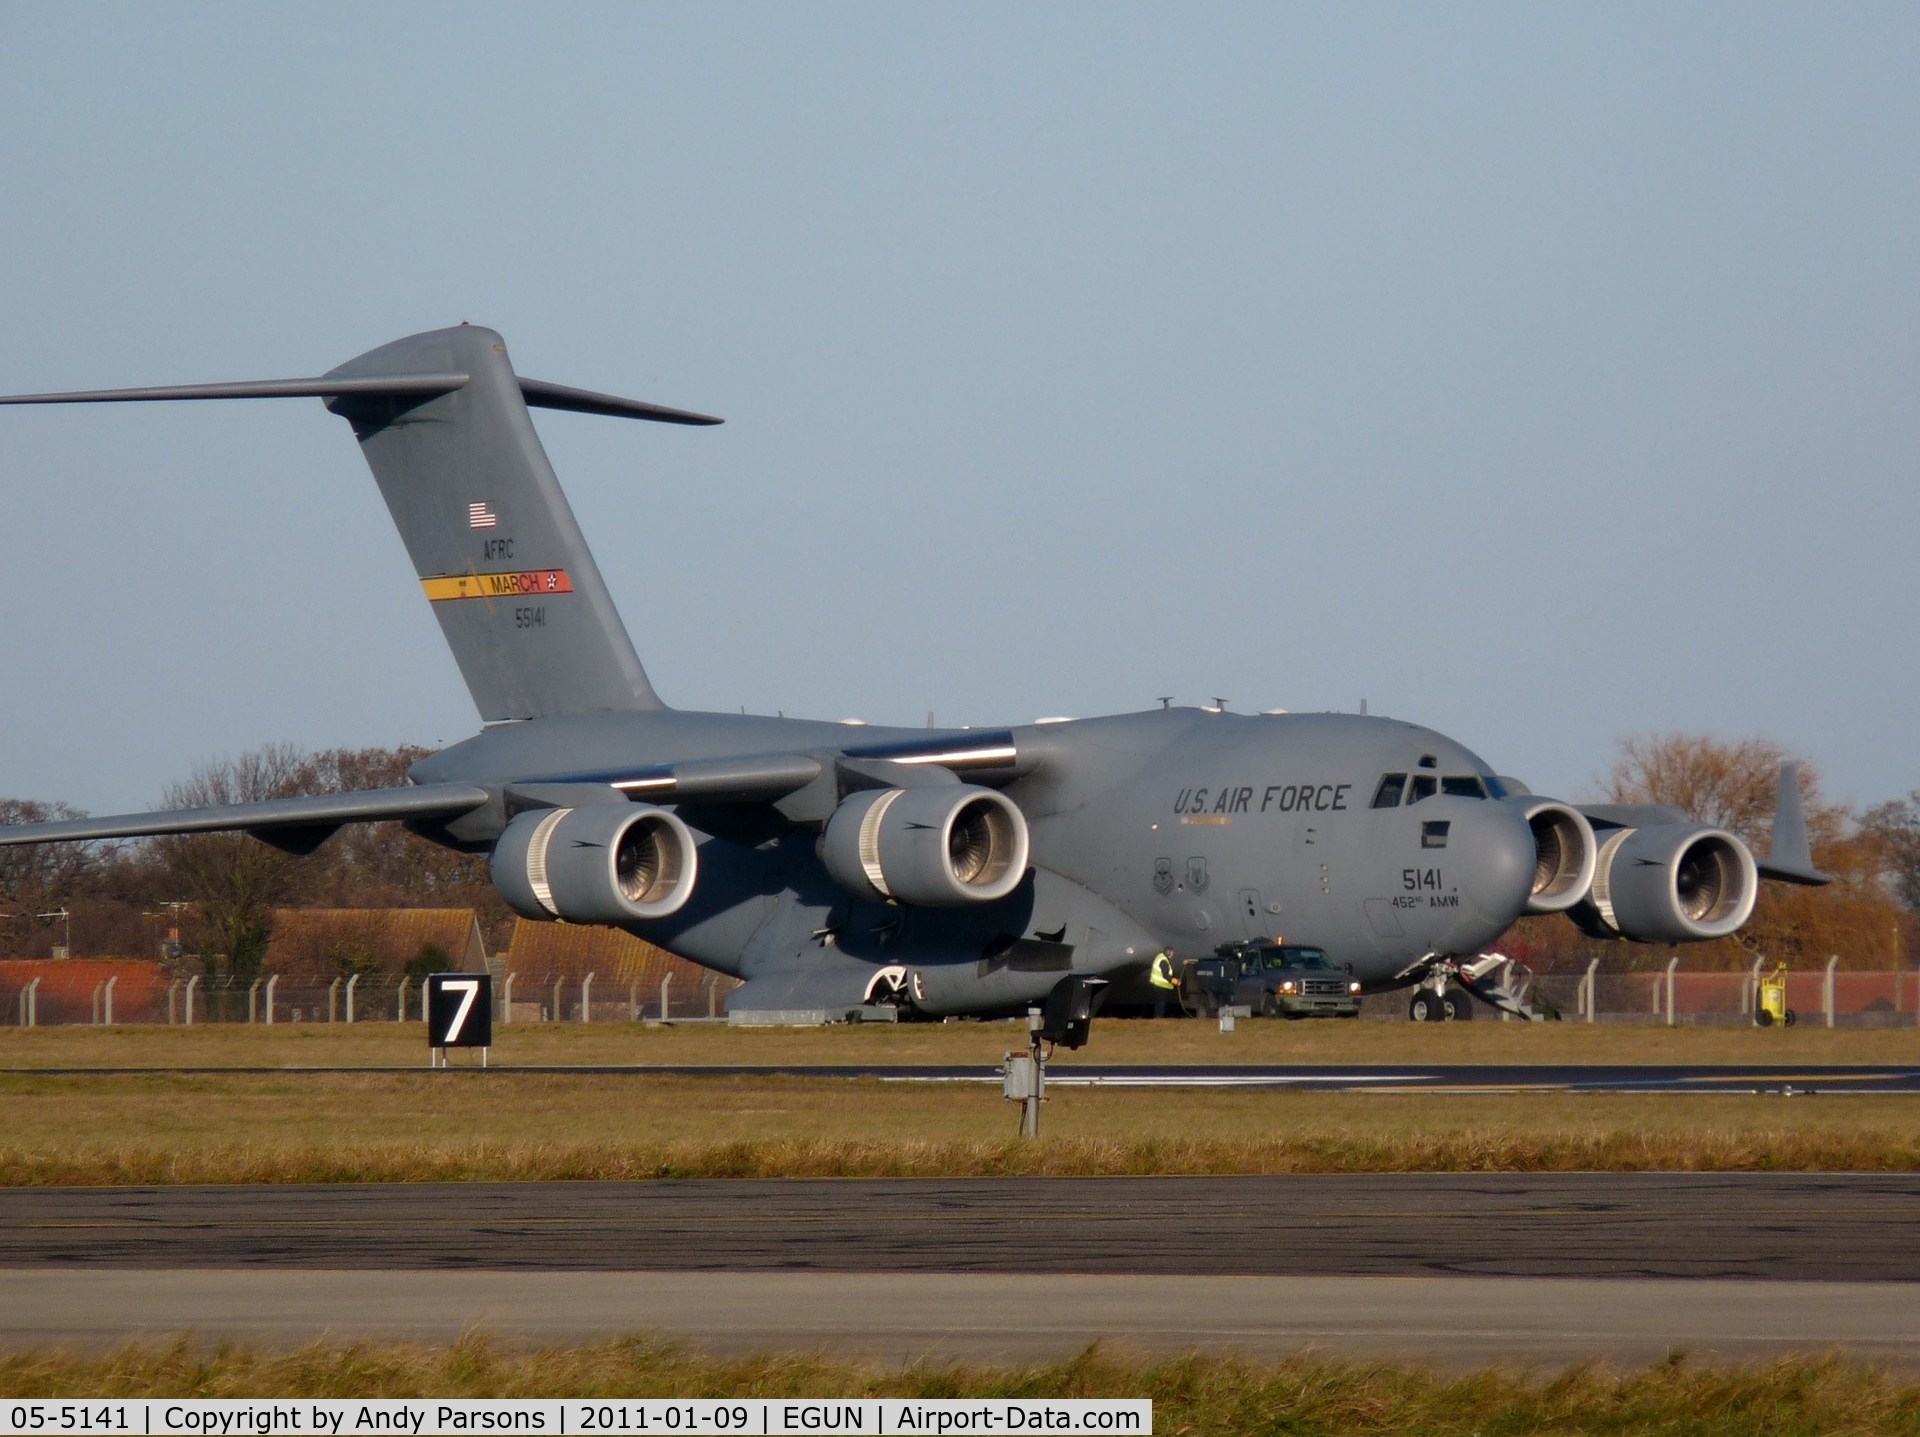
(1790, 860)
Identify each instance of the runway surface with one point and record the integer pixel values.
(1377, 1077)
(889, 1318)
(1800, 1227)
(1454, 1269)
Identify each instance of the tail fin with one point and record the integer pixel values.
(443, 422)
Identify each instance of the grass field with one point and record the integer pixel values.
(294, 1126)
(426, 1126)
(387, 1044)
(1191, 1395)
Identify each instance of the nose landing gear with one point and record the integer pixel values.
(1447, 987)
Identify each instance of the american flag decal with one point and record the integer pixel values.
(480, 516)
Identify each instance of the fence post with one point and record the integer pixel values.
(506, 998)
(1751, 998)
(400, 1010)
(1826, 988)
(333, 1001)
(353, 981)
(96, 1003)
(633, 1001)
(192, 983)
(253, 995)
(586, 999)
(172, 988)
(712, 981)
(33, 1004)
(1593, 965)
(110, 982)
(665, 983)
(556, 997)
(275, 978)
(1672, 963)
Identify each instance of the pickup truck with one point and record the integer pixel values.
(1274, 980)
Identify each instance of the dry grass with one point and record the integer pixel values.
(1191, 1394)
(1173, 1041)
(417, 1127)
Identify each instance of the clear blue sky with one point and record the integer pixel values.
(1545, 374)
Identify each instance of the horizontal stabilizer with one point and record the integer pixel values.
(318, 388)
(537, 392)
(542, 395)
(326, 810)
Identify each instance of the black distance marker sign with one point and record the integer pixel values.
(459, 1010)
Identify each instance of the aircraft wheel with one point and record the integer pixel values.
(1762, 1018)
(1459, 1006)
(1427, 1008)
(1792, 1017)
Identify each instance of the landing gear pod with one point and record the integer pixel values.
(937, 847)
(611, 863)
(1567, 854)
(1673, 883)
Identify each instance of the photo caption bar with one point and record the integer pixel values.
(567, 1417)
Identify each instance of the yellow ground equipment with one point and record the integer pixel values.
(1770, 1001)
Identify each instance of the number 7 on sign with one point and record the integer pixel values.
(459, 1010)
(468, 989)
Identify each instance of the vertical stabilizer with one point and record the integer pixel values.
(493, 540)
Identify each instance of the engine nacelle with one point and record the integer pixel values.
(609, 863)
(1673, 883)
(1567, 855)
(936, 847)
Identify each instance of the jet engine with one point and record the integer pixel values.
(1564, 868)
(1673, 883)
(608, 863)
(936, 847)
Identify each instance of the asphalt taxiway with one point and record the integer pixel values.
(1346, 1077)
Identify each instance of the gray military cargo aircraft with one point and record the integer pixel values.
(899, 872)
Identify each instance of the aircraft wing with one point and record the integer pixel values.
(297, 824)
(1789, 861)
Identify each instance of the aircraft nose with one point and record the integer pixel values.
(1492, 854)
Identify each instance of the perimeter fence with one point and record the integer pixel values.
(1831, 996)
(68, 992)
(55, 992)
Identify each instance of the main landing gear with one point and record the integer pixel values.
(1427, 1006)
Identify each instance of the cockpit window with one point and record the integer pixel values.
(1462, 786)
(1421, 787)
(1388, 794)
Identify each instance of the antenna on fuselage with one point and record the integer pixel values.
(1166, 701)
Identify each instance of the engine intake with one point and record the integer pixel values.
(610, 863)
(1673, 883)
(1567, 855)
(936, 847)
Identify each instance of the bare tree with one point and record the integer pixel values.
(1730, 785)
(234, 881)
(1895, 828)
(38, 878)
